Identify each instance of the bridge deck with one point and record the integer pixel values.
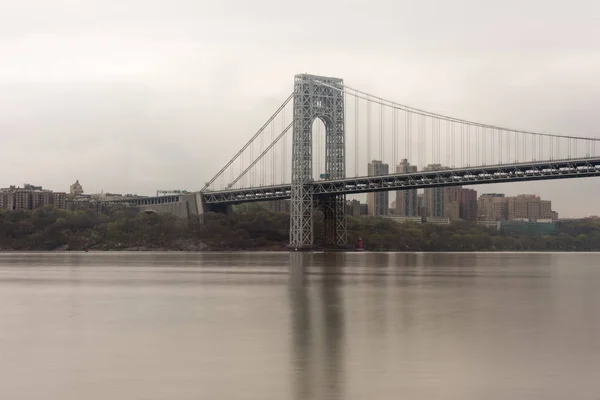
(542, 170)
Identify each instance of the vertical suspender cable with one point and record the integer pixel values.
(463, 157)
(516, 147)
(524, 140)
(484, 137)
(356, 128)
(251, 179)
(231, 172)
(368, 130)
(283, 150)
(477, 145)
(422, 132)
(469, 145)
(262, 160)
(453, 143)
(394, 138)
(381, 110)
(509, 147)
(436, 139)
(423, 135)
(501, 145)
(272, 182)
(439, 140)
(447, 138)
(407, 139)
(434, 143)
(494, 145)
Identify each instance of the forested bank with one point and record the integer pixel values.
(254, 228)
(126, 229)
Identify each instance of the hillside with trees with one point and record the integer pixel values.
(254, 228)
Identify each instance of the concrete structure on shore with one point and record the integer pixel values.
(30, 197)
(188, 205)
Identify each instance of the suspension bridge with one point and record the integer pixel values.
(316, 148)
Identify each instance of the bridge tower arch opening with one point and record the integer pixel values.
(317, 97)
(319, 130)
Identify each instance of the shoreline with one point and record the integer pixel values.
(153, 250)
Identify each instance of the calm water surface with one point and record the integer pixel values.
(299, 326)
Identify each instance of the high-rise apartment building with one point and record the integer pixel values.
(492, 207)
(434, 197)
(40, 198)
(59, 199)
(22, 200)
(378, 202)
(406, 200)
(468, 204)
(460, 203)
(30, 197)
(6, 199)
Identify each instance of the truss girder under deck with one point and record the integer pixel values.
(543, 170)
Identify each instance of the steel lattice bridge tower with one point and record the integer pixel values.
(322, 98)
(315, 148)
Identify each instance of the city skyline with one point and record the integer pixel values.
(452, 203)
(364, 197)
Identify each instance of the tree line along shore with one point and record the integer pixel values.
(254, 228)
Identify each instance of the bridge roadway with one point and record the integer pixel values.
(531, 171)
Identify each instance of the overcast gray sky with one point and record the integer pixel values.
(134, 96)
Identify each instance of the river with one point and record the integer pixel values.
(299, 326)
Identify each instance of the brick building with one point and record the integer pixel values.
(529, 207)
(492, 207)
(30, 197)
(460, 203)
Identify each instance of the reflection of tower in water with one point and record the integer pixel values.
(317, 325)
(300, 317)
